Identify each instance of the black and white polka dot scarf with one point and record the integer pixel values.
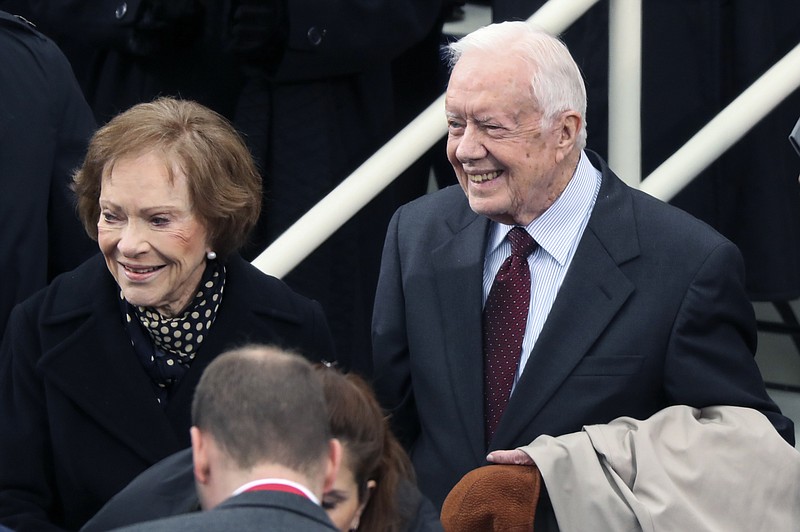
(167, 346)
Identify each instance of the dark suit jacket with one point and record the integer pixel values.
(168, 489)
(251, 511)
(78, 414)
(652, 313)
(45, 124)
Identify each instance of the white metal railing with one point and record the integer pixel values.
(366, 182)
(319, 223)
(625, 90)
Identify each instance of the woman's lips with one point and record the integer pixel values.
(139, 273)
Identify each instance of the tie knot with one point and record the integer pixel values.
(522, 244)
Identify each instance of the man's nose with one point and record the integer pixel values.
(470, 145)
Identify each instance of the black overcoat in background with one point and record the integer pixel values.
(45, 125)
(332, 107)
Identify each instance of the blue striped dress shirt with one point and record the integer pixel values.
(557, 231)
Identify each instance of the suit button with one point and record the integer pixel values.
(315, 36)
(122, 9)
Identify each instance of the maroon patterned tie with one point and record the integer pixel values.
(504, 318)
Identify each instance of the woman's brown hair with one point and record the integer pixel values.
(224, 183)
(358, 421)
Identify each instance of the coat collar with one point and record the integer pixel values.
(87, 354)
(300, 507)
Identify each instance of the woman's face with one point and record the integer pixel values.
(153, 243)
(342, 502)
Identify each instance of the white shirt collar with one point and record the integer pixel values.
(557, 227)
(254, 483)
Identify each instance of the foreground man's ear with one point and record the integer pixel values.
(332, 464)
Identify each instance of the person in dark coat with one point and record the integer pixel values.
(126, 52)
(315, 116)
(45, 125)
(99, 368)
(373, 490)
(309, 84)
(262, 448)
(630, 305)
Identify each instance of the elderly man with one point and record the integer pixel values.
(543, 294)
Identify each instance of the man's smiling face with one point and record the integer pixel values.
(506, 162)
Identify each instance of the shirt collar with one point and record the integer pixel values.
(254, 483)
(557, 228)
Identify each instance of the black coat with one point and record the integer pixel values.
(328, 108)
(126, 52)
(45, 125)
(78, 412)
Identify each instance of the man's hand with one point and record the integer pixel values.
(513, 457)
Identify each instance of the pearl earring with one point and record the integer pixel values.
(211, 255)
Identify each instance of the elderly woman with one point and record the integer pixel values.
(98, 370)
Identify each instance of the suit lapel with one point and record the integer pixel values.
(593, 291)
(96, 368)
(458, 266)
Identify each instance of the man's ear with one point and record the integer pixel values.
(332, 464)
(200, 455)
(569, 124)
